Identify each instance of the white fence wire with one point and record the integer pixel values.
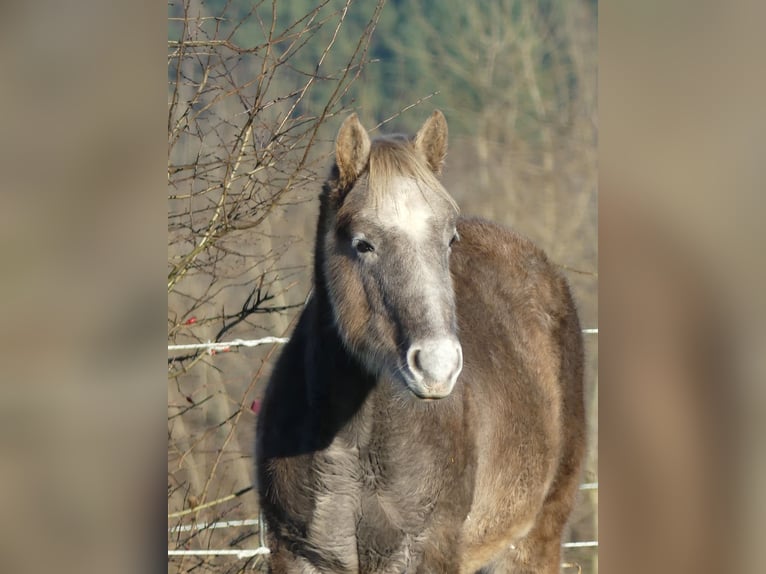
(263, 550)
(223, 346)
(227, 345)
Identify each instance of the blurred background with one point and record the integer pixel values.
(257, 93)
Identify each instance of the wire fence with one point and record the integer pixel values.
(222, 346)
(262, 549)
(225, 346)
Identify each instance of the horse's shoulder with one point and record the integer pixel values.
(493, 242)
(500, 272)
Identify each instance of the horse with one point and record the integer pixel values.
(426, 415)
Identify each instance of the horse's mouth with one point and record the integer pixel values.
(430, 399)
(428, 391)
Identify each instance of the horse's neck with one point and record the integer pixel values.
(337, 387)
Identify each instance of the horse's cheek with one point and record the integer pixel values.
(351, 309)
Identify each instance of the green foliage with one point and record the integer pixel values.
(469, 53)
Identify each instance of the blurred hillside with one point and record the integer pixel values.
(256, 94)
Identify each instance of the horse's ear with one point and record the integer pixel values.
(352, 150)
(431, 141)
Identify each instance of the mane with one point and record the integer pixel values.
(394, 156)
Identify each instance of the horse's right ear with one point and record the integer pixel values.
(352, 150)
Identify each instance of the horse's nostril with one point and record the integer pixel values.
(416, 360)
(413, 362)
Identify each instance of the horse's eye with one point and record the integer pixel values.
(361, 245)
(455, 237)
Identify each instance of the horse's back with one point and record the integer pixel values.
(522, 373)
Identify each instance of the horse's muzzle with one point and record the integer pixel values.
(433, 366)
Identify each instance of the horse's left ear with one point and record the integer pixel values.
(431, 141)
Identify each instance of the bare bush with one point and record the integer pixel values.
(244, 141)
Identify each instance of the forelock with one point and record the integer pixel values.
(394, 157)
